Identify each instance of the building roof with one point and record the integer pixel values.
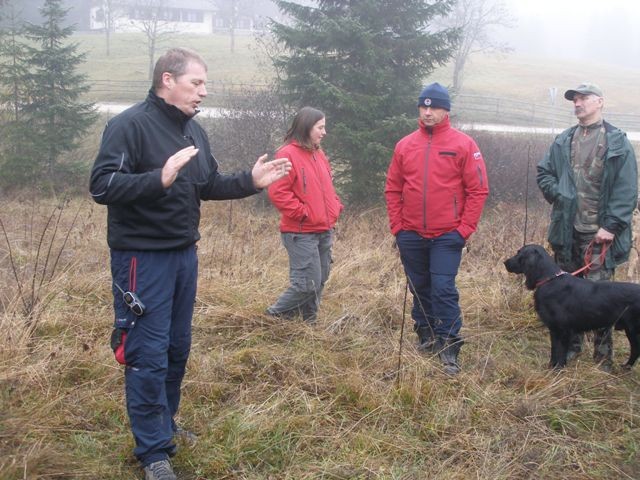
(206, 5)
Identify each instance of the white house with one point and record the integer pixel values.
(180, 16)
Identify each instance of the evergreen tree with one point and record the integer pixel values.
(15, 147)
(363, 64)
(58, 116)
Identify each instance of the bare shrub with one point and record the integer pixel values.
(250, 123)
(38, 253)
(511, 160)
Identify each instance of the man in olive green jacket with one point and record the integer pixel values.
(590, 176)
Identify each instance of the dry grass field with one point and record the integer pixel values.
(282, 400)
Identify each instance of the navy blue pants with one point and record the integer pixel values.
(158, 342)
(431, 266)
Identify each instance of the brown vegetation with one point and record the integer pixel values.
(282, 400)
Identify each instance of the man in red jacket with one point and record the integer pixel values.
(435, 191)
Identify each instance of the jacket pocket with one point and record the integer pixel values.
(558, 232)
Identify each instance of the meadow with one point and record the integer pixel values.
(347, 398)
(512, 76)
(276, 399)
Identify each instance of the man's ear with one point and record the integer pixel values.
(167, 80)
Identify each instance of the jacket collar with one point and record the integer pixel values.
(615, 139)
(302, 147)
(438, 129)
(171, 111)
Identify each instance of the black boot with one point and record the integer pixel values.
(426, 339)
(575, 346)
(448, 349)
(603, 349)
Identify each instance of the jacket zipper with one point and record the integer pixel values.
(304, 191)
(424, 190)
(455, 206)
(324, 195)
(304, 182)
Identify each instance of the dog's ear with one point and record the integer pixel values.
(532, 263)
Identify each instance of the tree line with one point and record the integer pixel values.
(42, 112)
(362, 63)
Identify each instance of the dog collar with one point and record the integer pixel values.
(548, 279)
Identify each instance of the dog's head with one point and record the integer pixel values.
(534, 262)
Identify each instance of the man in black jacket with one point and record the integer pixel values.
(153, 169)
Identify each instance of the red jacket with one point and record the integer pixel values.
(306, 198)
(436, 183)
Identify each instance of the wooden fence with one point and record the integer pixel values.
(505, 111)
(467, 108)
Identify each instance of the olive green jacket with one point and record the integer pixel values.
(618, 193)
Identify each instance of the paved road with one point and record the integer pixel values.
(115, 108)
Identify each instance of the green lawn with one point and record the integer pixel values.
(128, 59)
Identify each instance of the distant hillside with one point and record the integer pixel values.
(515, 77)
(529, 79)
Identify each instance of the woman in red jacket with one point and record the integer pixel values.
(309, 208)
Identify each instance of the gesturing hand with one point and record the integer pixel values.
(175, 163)
(265, 173)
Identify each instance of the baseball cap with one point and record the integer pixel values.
(584, 89)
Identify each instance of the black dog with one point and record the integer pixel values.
(567, 304)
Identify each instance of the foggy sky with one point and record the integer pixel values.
(591, 30)
(598, 31)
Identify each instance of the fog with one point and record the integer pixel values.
(586, 30)
(590, 30)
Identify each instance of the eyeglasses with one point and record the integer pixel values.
(132, 301)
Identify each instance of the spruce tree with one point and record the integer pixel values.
(15, 128)
(362, 63)
(59, 118)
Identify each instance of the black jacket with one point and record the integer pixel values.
(142, 215)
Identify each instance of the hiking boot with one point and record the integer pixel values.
(606, 366)
(448, 349)
(426, 341)
(310, 318)
(160, 470)
(604, 362)
(186, 436)
(572, 353)
(288, 315)
(603, 349)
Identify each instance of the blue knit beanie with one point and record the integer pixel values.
(435, 96)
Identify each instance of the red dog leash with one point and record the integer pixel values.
(588, 255)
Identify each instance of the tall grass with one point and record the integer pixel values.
(275, 399)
